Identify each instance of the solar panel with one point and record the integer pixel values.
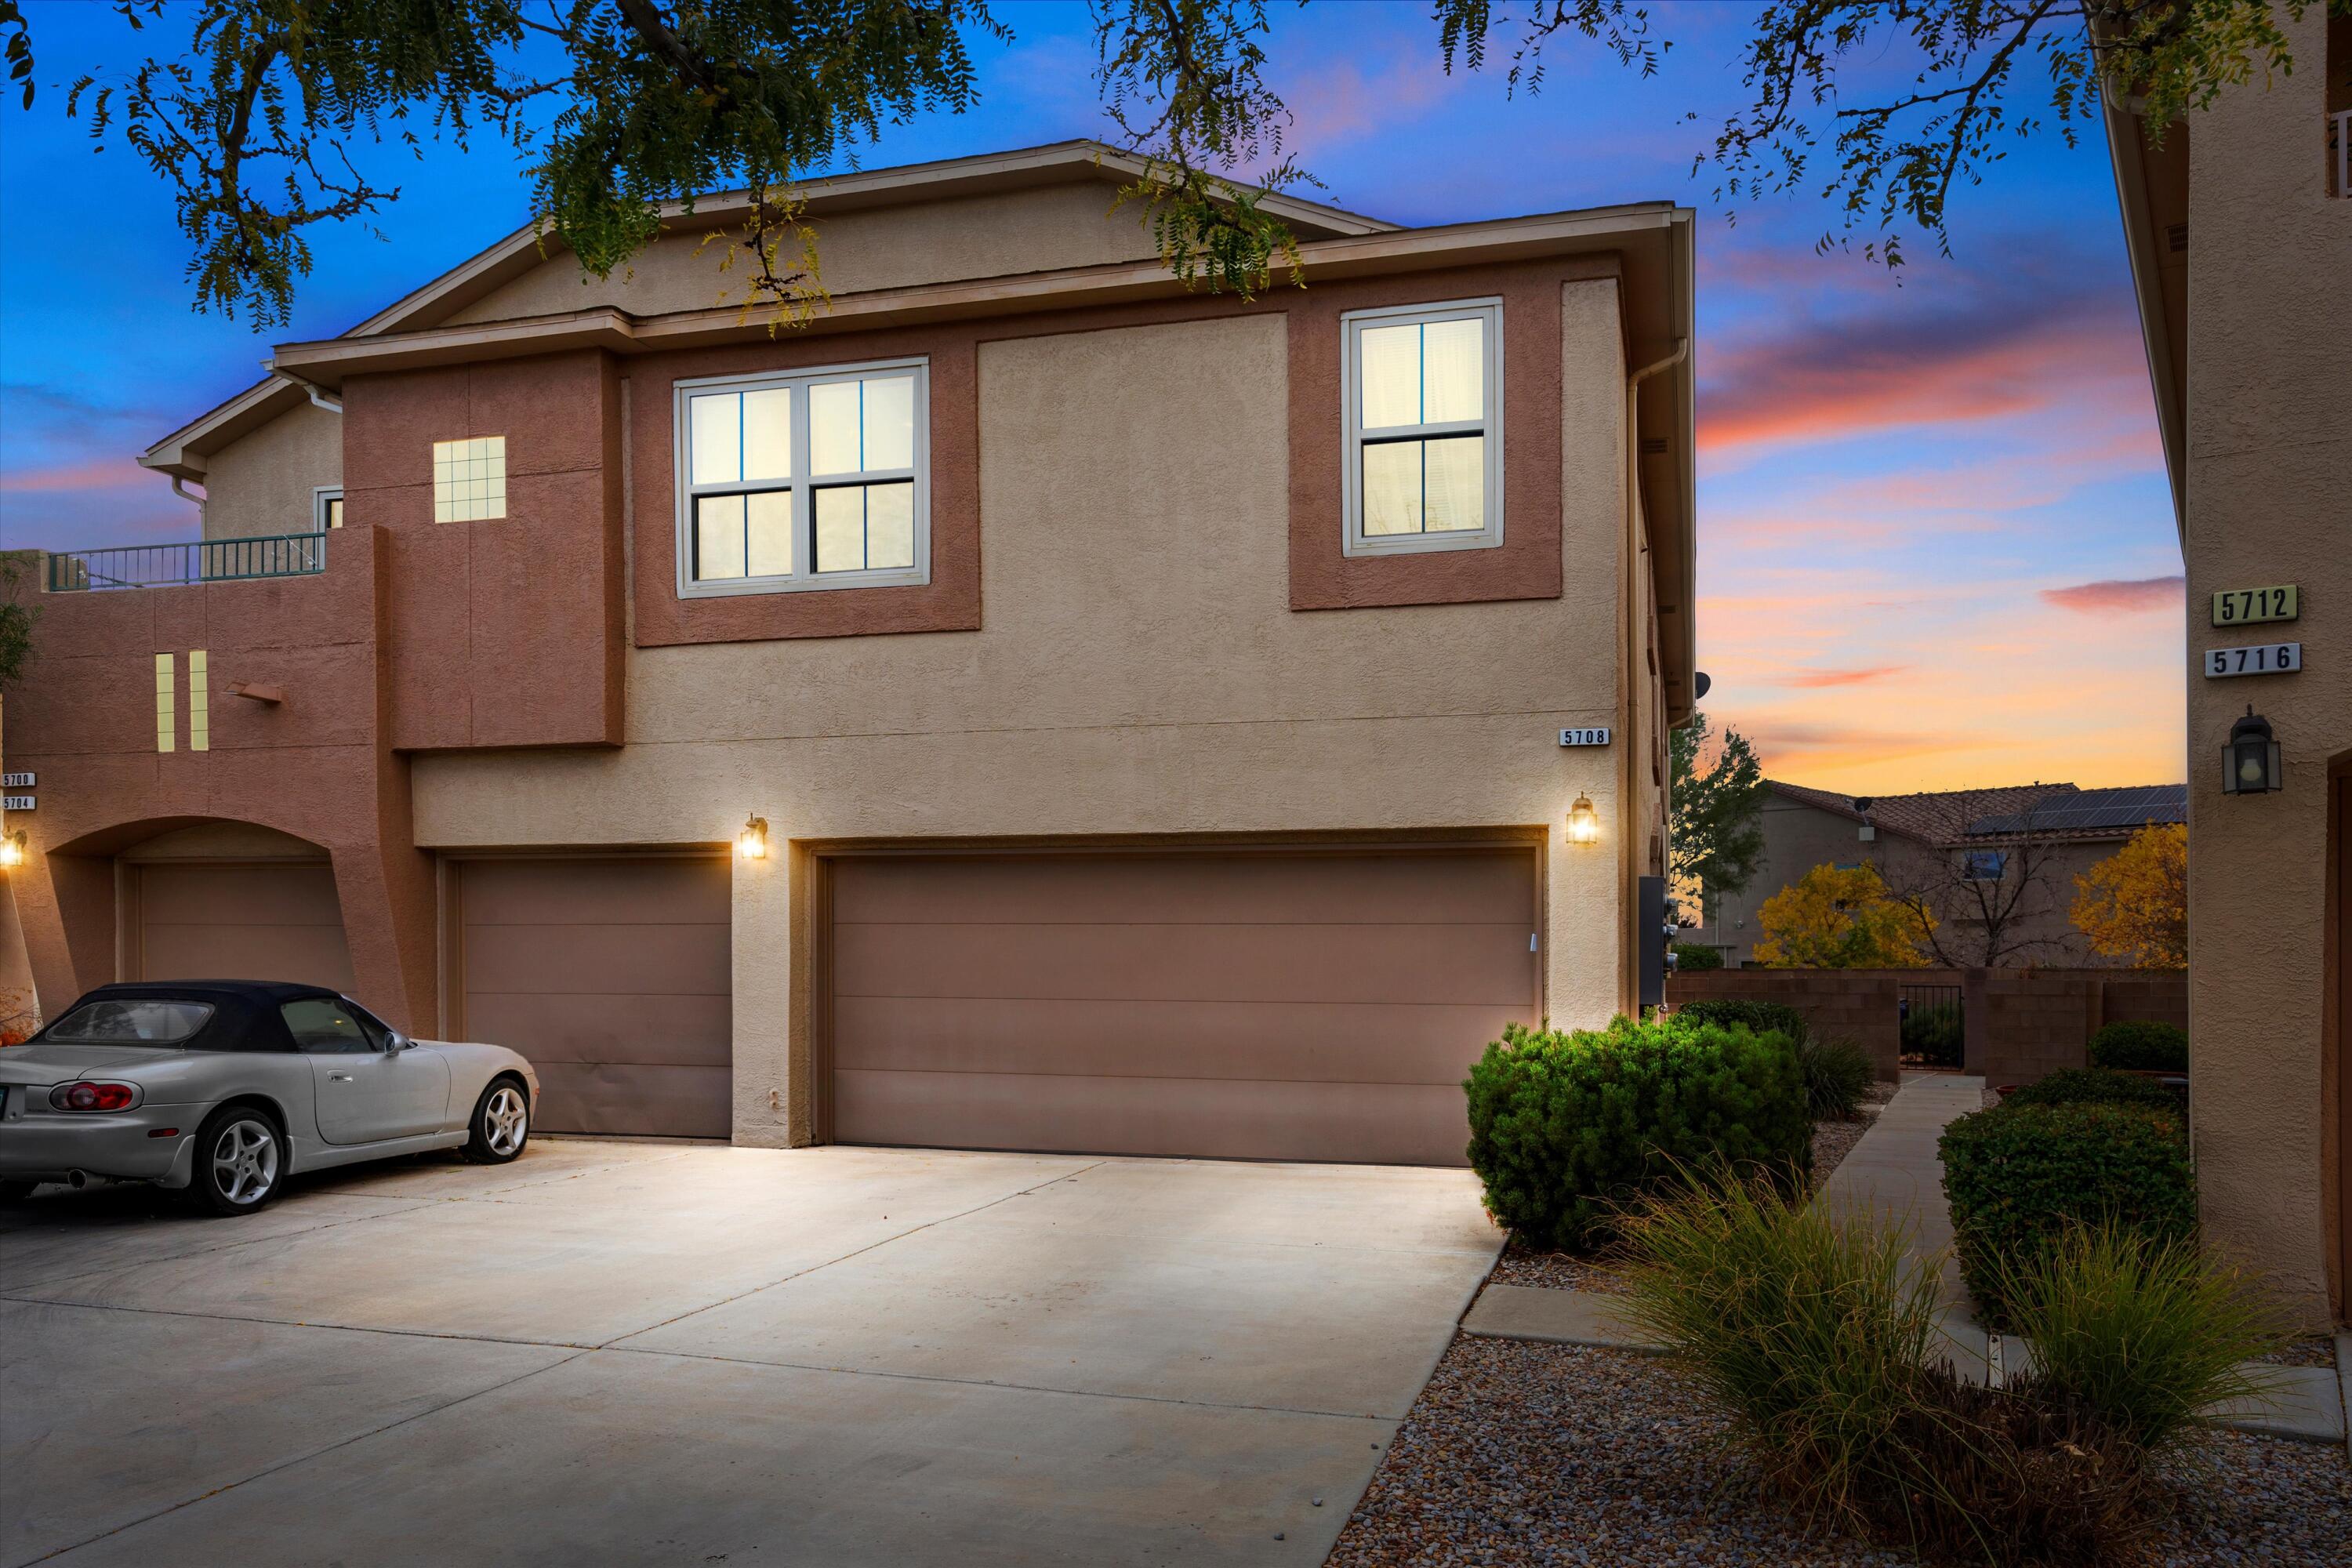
(2128, 806)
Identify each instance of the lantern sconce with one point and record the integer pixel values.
(2250, 760)
(753, 840)
(11, 849)
(1583, 822)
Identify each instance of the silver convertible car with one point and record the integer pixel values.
(222, 1088)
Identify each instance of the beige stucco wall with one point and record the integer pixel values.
(1139, 672)
(2269, 447)
(883, 247)
(262, 483)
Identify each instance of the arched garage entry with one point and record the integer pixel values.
(230, 900)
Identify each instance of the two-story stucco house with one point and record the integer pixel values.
(1032, 706)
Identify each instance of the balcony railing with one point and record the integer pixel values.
(176, 565)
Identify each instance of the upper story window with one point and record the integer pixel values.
(327, 509)
(469, 478)
(815, 480)
(1423, 393)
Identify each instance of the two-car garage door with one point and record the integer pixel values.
(1272, 1005)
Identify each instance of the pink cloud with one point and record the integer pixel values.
(96, 473)
(1821, 678)
(2117, 597)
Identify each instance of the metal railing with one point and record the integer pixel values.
(176, 565)
(2339, 143)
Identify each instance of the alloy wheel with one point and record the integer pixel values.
(245, 1162)
(507, 1120)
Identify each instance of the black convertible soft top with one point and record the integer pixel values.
(245, 1012)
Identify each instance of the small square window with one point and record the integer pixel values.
(1424, 441)
(469, 478)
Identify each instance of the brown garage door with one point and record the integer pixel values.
(612, 975)
(1265, 1006)
(263, 920)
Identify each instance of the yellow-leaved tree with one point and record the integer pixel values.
(2135, 903)
(1840, 917)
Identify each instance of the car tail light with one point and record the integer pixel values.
(93, 1096)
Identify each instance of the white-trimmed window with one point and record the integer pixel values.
(1424, 391)
(326, 508)
(813, 479)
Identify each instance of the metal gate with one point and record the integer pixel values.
(1933, 1026)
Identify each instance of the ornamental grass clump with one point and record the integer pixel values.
(2018, 1177)
(1565, 1129)
(1837, 1073)
(2145, 1330)
(1816, 1334)
(1812, 1330)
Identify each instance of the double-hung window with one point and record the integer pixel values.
(1423, 391)
(813, 479)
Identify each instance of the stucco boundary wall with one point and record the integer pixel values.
(2022, 1023)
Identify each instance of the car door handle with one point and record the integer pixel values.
(339, 1078)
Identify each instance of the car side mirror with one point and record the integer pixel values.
(397, 1043)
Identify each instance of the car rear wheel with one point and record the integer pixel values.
(240, 1163)
(501, 1124)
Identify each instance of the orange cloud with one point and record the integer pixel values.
(1816, 677)
(2117, 597)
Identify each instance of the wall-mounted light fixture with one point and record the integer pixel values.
(12, 848)
(753, 840)
(2249, 761)
(1583, 822)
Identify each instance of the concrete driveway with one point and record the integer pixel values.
(636, 1354)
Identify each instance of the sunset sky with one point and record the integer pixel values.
(1935, 544)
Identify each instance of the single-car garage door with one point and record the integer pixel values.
(257, 921)
(1267, 1005)
(612, 975)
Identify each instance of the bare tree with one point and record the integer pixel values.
(1982, 904)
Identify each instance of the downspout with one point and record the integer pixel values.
(180, 488)
(1632, 654)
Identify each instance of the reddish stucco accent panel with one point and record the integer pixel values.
(1527, 564)
(950, 602)
(503, 631)
(314, 765)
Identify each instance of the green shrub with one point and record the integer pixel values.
(2143, 1330)
(1564, 1128)
(1692, 956)
(2096, 1086)
(1810, 1331)
(2134, 1045)
(2016, 1177)
(1836, 1072)
(1762, 1017)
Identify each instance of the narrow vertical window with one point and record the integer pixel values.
(166, 729)
(327, 507)
(1423, 388)
(200, 720)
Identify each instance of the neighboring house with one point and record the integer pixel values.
(2239, 232)
(1997, 865)
(1033, 706)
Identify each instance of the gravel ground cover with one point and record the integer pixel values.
(1520, 1453)
(2319, 1351)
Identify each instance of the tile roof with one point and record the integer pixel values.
(1944, 817)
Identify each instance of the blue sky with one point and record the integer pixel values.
(1937, 547)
